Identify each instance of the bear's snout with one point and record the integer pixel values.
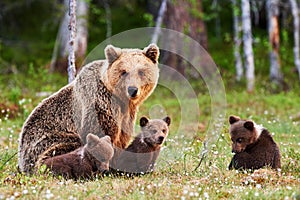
(237, 149)
(160, 139)
(132, 91)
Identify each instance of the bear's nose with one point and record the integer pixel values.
(160, 139)
(132, 91)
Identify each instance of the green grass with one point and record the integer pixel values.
(175, 177)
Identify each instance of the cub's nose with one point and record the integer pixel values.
(132, 91)
(160, 139)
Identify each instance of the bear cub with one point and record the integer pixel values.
(253, 146)
(140, 156)
(85, 161)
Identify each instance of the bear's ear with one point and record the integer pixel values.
(167, 120)
(233, 119)
(152, 52)
(106, 139)
(144, 121)
(249, 125)
(92, 140)
(112, 53)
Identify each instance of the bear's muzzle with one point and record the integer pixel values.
(132, 91)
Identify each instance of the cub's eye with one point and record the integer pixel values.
(153, 131)
(164, 130)
(124, 73)
(141, 73)
(239, 140)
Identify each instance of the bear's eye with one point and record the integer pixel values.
(141, 73)
(239, 140)
(153, 131)
(123, 73)
(164, 130)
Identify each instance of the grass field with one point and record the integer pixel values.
(175, 176)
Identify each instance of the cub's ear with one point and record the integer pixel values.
(249, 125)
(92, 140)
(167, 120)
(233, 119)
(144, 121)
(112, 53)
(152, 52)
(106, 139)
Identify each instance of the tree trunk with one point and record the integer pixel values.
(72, 36)
(59, 55)
(273, 28)
(255, 11)
(82, 29)
(107, 19)
(247, 40)
(216, 9)
(158, 23)
(295, 13)
(185, 17)
(59, 61)
(237, 40)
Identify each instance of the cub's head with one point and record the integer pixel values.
(154, 131)
(243, 133)
(101, 149)
(132, 74)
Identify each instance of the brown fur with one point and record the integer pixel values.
(85, 161)
(100, 101)
(141, 154)
(253, 146)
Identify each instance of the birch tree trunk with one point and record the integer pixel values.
(247, 40)
(273, 29)
(237, 40)
(59, 61)
(72, 36)
(159, 19)
(295, 13)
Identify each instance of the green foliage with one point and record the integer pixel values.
(174, 176)
(6, 157)
(149, 18)
(29, 31)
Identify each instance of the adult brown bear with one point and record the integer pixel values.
(103, 100)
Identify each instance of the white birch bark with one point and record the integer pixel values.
(273, 29)
(295, 13)
(159, 20)
(61, 49)
(237, 41)
(247, 40)
(72, 36)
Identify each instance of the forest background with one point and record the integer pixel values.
(262, 85)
